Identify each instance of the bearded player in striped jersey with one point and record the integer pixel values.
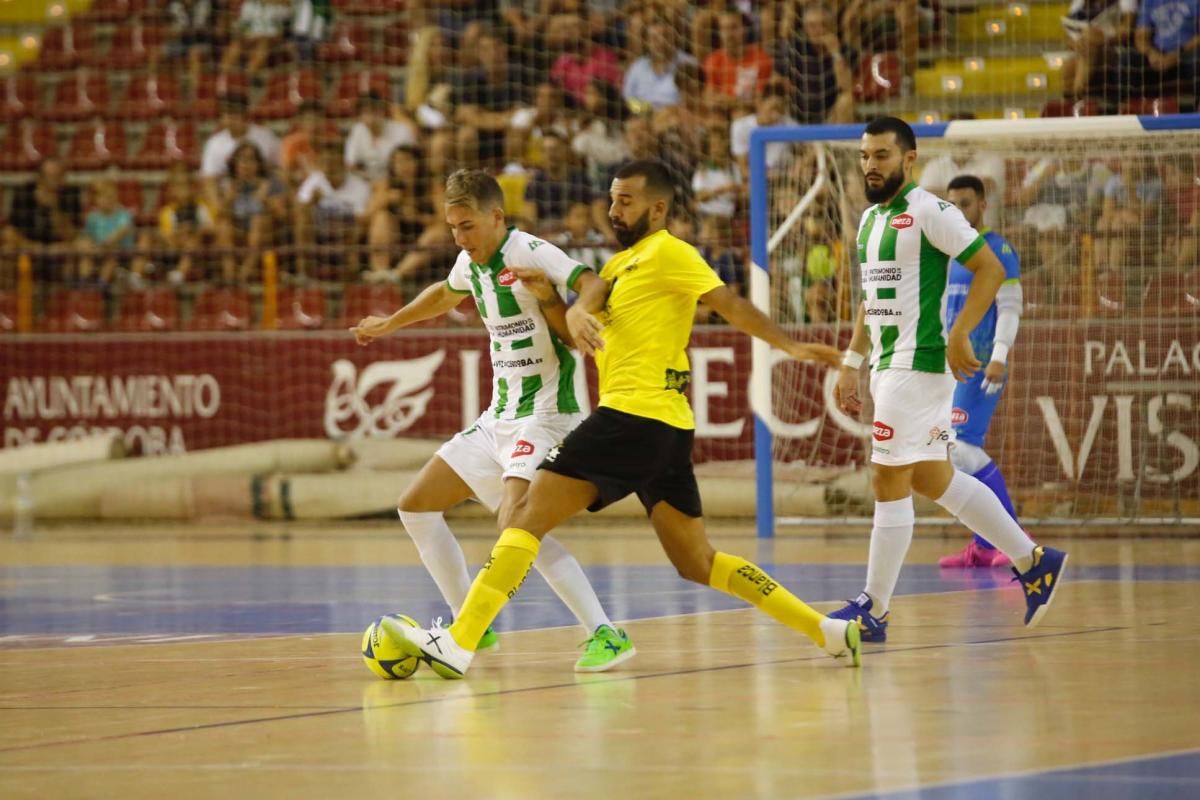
(905, 244)
(533, 407)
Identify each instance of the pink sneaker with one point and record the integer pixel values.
(999, 559)
(971, 556)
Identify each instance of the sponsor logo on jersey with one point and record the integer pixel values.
(901, 221)
(959, 416)
(937, 434)
(882, 431)
(506, 277)
(523, 448)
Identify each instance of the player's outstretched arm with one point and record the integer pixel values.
(436, 299)
(741, 314)
(989, 274)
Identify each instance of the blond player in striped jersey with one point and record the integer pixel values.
(905, 244)
(533, 406)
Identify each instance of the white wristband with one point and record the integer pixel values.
(1000, 352)
(852, 359)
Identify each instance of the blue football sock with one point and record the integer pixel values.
(990, 477)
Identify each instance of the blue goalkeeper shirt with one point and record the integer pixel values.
(984, 334)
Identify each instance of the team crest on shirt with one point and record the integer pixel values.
(506, 277)
(882, 431)
(959, 416)
(901, 221)
(523, 448)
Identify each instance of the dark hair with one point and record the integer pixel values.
(656, 174)
(259, 161)
(967, 182)
(421, 178)
(612, 102)
(372, 100)
(904, 134)
(233, 103)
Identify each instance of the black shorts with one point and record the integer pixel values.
(623, 454)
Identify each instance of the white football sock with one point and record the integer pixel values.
(890, 538)
(978, 508)
(441, 554)
(567, 579)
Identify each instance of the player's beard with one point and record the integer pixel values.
(628, 236)
(891, 184)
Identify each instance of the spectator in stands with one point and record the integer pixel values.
(486, 102)
(1129, 217)
(108, 234)
(219, 147)
(298, 152)
(401, 213)
(815, 63)
(1094, 29)
(1165, 57)
(769, 109)
(374, 136)
(580, 239)
(252, 205)
(600, 139)
(1181, 186)
(737, 71)
(191, 26)
(644, 142)
(716, 245)
(988, 167)
(547, 117)
(331, 210)
(554, 186)
(820, 263)
(311, 20)
(1062, 191)
(183, 223)
(581, 60)
(45, 217)
(260, 26)
(650, 80)
(695, 115)
(717, 181)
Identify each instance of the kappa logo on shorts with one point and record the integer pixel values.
(506, 277)
(959, 416)
(523, 448)
(552, 456)
(901, 221)
(882, 431)
(937, 434)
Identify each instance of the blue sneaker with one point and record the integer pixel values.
(1040, 582)
(873, 629)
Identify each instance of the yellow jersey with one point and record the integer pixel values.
(652, 292)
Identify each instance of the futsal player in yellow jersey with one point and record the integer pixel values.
(636, 323)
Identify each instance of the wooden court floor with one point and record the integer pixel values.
(222, 662)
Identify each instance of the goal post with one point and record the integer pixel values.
(1100, 420)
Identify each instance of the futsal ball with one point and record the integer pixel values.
(382, 656)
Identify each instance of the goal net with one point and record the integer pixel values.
(1099, 417)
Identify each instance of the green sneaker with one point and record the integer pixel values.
(607, 648)
(489, 641)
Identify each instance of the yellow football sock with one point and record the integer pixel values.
(736, 576)
(495, 585)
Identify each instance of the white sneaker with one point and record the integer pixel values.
(842, 638)
(434, 645)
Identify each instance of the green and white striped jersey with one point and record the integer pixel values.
(904, 252)
(533, 372)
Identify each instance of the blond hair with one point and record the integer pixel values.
(475, 189)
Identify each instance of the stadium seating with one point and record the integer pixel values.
(285, 92)
(18, 96)
(211, 88)
(79, 95)
(348, 41)
(363, 300)
(73, 311)
(150, 310)
(166, 142)
(878, 78)
(133, 45)
(150, 95)
(115, 10)
(301, 309)
(343, 96)
(25, 144)
(97, 145)
(1153, 106)
(8, 311)
(222, 309)
(65, 46)
(1110, 294)
(1171, 294)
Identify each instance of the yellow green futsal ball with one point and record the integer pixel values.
(383, 656)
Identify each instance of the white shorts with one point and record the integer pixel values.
(494, 449)
(912, 416)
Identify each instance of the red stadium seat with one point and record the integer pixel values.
(79, 96)
(364, 300)
(1110, 294)
(115, 10)
(368, 7)
(65, 46)
(879, 77)
(224, 309)
(150, 310)
(1171, 294)
(349, 41)
(395, 46)
(73, 311)
(133, 45)
(150, 95)
(210, 89)
(97, 145)
(8, 311)
(1067, 108)
(1151, 106)
(285, 92)
(301, 309)
(25, 144)
(131, 196)
(343, 98)
(18, 96)
(166, 142)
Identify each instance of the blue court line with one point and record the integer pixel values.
(312, 600)
(1168, 777)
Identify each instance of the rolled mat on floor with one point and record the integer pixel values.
(32, 458)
